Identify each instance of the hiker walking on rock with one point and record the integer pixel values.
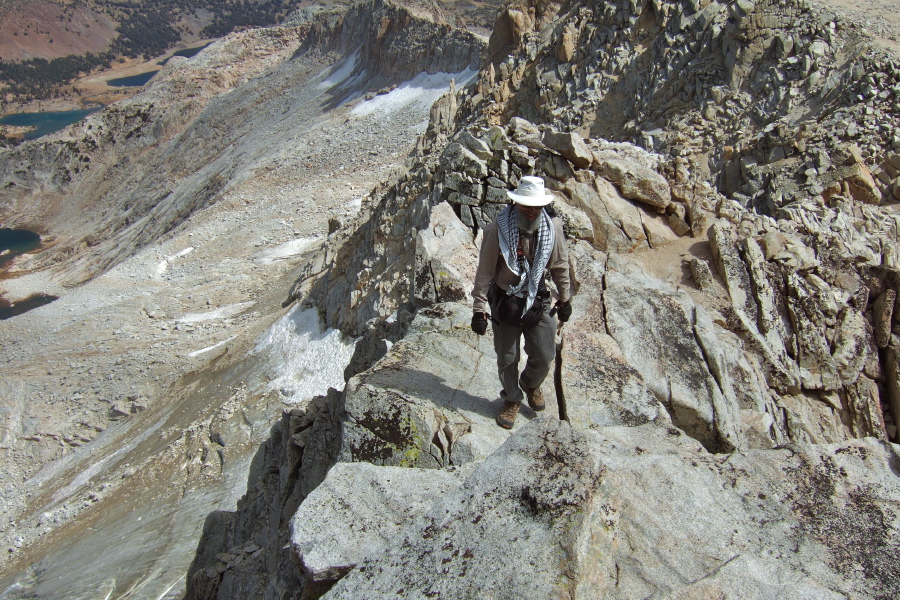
(522, 243)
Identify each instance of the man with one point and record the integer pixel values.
(518, 247)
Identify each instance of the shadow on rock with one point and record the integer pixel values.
(245, 553)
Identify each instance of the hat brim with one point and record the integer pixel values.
(530, 200)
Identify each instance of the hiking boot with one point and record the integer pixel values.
(507, 417)
(535, 397)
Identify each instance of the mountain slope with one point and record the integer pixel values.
(728, 348)
(193, 204)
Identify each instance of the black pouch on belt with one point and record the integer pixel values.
(511, 309)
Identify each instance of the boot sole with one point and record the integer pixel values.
(504, 424)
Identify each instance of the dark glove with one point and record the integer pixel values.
(565, 311)
(479, 323)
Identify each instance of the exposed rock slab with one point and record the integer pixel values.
(431, 402)
(601, 386)
(616, 221)
(358, 509)
(655, 327)
(636, 181)
(445, 259)
(571, 146)
(637, 512)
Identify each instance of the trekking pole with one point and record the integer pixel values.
(557, 376)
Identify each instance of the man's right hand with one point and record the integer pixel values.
(479, 323)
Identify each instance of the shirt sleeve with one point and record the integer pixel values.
(487, 267)
(559, 263)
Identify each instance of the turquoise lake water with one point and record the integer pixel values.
(133, 81)
(45, 122)
(12, 243)
(18, 240)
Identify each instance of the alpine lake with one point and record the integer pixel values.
(14, 242)
(43, 123)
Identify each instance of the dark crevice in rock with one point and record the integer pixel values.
(754, 291)
(603, 307)
(243, 553)
(713, 372)
(648, 234)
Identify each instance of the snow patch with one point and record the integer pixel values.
(424, 89)
(220, 313)
(340, 71)
(287, 250)
(302, 359)
(164, 264)
(354, 205)
(184, 252)
(209, 348)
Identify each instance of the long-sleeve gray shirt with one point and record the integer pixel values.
(492, 266)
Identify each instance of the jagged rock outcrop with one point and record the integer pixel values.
(802, 289)
(750, 94)
(399, 41)
(245, 553)
(564, 511)
(731, 367)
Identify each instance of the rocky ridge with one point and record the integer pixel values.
(724, 366)
(761, 334)
(592, 509)
(837, 248)
(765, 94)
(142, 391)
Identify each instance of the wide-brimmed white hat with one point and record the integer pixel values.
(531, 192)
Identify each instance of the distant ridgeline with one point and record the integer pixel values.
(147, 29)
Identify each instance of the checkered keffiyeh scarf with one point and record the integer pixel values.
(530, 276)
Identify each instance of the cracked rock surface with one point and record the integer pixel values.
(559, 510)
(725, 174)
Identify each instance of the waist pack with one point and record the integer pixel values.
(511, 309)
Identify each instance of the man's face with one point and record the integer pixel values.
(528, 218)
(530, 212)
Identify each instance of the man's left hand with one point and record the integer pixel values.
(565, 311)
(479, 323)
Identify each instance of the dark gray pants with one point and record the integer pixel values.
(540, 347)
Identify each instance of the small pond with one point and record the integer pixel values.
(134, 80)
(45, 122)
(14, 242)
(18, 241)
(8, 311)
(189, 52)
